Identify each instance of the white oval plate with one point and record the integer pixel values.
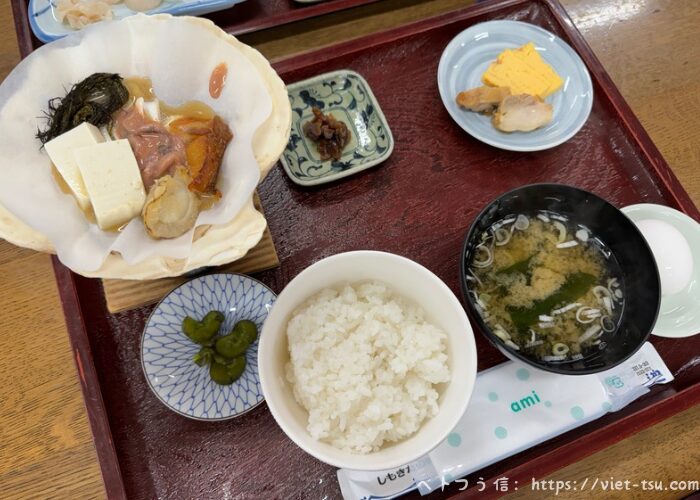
(470, 53)
(679, 314)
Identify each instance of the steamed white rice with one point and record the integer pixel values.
(364, 364)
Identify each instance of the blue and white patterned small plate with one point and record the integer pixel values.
(347, 96)
(166, 353)
(47, 27)
(468, 56)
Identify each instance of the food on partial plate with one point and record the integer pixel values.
(516, 85)
(227, 372)
(330, 135)
(203, 331)
(223, 354)
(482, 99)
(523, 71)
(123, 153)
(142, 5)
(365, 363)
(79, 13)
(522, 113)
(546, 286)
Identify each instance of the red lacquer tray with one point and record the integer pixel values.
(419, 204)
(246, 17)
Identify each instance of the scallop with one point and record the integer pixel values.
(171, 209)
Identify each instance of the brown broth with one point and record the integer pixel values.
(531, 278)
(143, 87)
(190, 109)
(139, 87)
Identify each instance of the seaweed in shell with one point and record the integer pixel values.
(92, 100)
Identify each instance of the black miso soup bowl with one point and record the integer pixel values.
(640, 275)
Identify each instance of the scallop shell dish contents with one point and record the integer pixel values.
(118, 157)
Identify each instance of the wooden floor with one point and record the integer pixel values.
(651, 48)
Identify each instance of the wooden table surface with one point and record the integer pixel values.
(651, 48)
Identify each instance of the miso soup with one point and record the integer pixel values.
(546, 286)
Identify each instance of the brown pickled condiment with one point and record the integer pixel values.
(217, 80)
(330, 135)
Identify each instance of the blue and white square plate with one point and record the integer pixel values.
(47, 27)
(348, 97)
(166, 353)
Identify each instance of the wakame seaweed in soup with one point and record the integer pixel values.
(546, 286)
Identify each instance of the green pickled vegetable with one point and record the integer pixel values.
(204, 356)
(190, 326)
(246, 329)
(221, 359)
(236, 367)
(219, 374)
(227, 374)
(574, 287)
(203, 332)
(231, 345)
(214, 316)
(225, 355)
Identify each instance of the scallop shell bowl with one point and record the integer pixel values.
(178, 54)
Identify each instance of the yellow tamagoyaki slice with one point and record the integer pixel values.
(523, 71)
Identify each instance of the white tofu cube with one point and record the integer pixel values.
(113, 182)
(60, 150)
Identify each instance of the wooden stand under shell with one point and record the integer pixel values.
(122, 295)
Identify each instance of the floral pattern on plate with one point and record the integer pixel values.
(166, 353)
(347, 96)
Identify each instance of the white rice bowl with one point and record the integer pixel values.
(365, 363)
(417, 285)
